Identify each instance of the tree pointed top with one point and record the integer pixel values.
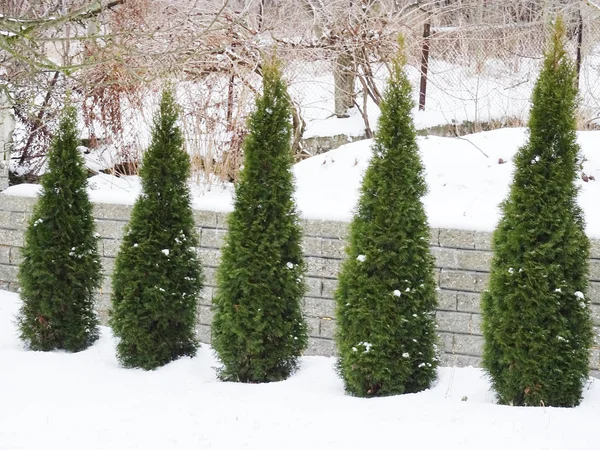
(400, 56)
(168, 105)
(554, 97)
(556, 51)
(64, 144)
(68, 116)
(271, 72)
(68, 97)
(167, 97)
(397, 75)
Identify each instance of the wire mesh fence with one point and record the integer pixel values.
(471, 62)
(488, 65)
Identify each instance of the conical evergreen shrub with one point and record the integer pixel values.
(536, 317)
(60, 271)
(157, 275)
(386, 296)
(258, 329)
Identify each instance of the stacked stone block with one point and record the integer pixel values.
(3, 169)
(462, 270)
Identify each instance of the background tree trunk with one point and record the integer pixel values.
(7, 127)
(343, 76)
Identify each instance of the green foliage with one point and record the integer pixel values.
(157, 276)
(258, 328)
(61, 267)
(537, 325)
(386, 297)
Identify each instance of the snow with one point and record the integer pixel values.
(367, 346)
(85, 400)
(353, 125)
(124, 190)
(465, 187)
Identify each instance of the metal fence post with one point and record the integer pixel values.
(424, 64)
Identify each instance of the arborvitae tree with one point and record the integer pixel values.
(386, 297)
(157, 275)
(258, 328)
(536, 317)
(61, 267)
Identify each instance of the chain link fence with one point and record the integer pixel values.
(471, 63)
(487, 67)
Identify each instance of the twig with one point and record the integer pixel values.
(38, 122)
(591, 3)
(457, 136)
(516, 84)
(363, 112)
(464, 139)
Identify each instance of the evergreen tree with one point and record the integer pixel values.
(157, 276)
(386, 297)
(536, 318)
(258, 328)
(61, 267)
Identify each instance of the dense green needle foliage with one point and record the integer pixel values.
(258, 329)
(61, 267)
(536, 318)
(157, 276)
(386, 297)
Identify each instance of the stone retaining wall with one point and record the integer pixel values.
(463, 259)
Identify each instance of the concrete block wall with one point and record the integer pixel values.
(462, 266)
(4, 159)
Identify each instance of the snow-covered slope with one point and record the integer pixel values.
(465, 187)
(86, 401)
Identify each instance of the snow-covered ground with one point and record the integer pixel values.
(86, 401)
(465, 187)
